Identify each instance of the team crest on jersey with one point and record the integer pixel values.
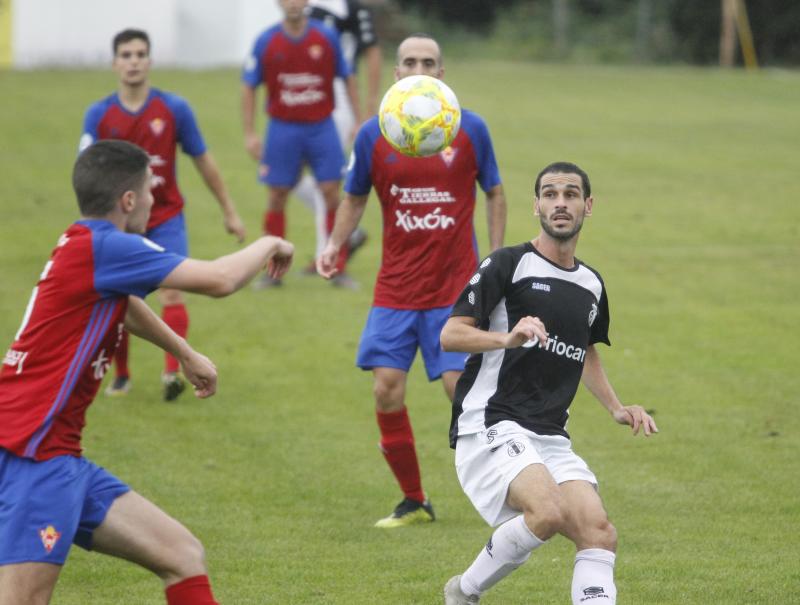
(592, 314)
(315, 52)
(515, 448)
(49, 537)
(157, 126)
(448, 155)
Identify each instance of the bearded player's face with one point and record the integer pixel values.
(561, 205)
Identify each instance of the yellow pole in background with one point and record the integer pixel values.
(745, 36)
(6, 51)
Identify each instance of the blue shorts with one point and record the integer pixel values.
(290, 145)
(392, 336)
(171, 235)
(47, 506)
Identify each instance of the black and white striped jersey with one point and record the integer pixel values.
(532, 385)
(352, 20)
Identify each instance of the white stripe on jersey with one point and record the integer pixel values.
(533, 265)
(474, 405)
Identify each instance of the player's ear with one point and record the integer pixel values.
(536, 206)
(128, 202)
(587, 211)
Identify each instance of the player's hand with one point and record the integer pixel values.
(281, 259)
(253, 145)
(235, 226)
(528, 329)
(201, 372)
(326, 263)
(637, 418)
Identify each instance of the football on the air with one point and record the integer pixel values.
(419, 116)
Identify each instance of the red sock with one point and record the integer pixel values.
(397, 445)
(121, 357)
(275, 223)
(344, 253)
(191, 591)
(176, 317)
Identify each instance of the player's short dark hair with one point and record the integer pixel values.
(126, 35)
(104, 171)
(565, 168)
(424, 36)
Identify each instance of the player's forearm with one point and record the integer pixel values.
(248, 110)
(352, 94)
(374, 63)
(240, 267)
(347, 218)
(143, 322)
(459, 336)
(212, 177)
(596, 380)
(496, 216)
(226, 274)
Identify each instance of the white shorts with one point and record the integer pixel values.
(487, 463)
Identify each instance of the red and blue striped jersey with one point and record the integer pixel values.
(429, 245)
(298, 72)
(73, 321)
(162, 122)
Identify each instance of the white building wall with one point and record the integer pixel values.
(184, 33)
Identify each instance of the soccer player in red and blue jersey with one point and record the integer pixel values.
(157, 121)
(297, 60)
(89, 291)
(429, 251)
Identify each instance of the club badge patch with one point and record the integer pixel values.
(49, 537)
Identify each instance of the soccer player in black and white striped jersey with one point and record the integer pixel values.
(530, 317)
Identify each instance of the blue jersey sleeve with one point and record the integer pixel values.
(358, 180)
(488, 173)
(130, 264)
(252, 74)
(91, 121)
(186, 129)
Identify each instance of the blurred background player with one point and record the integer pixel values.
(425, 263)
(531, 317)
(357, 36)
(297, 60)
(157, 121)
(90, 290)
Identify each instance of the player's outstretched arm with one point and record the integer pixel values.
(460, 334)
(252, 143)
(595, 379)
(230, 273)
(496, 216)
(208, 169)
(199, 370)
(348, 215)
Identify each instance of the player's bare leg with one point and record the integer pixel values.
(27, 583)
(137, 530)
(586, 524)
(274, 224)
(449, 380)
(174, 314)
(536, 495)
(397, 445)
(331, 195)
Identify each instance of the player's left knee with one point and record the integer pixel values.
(605, 535)
(187, 559)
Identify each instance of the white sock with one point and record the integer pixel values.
(509, 547)
(309, 193)
(593, 578)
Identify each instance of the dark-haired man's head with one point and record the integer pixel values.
(110, 171)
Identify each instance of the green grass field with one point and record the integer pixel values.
(696, 230)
